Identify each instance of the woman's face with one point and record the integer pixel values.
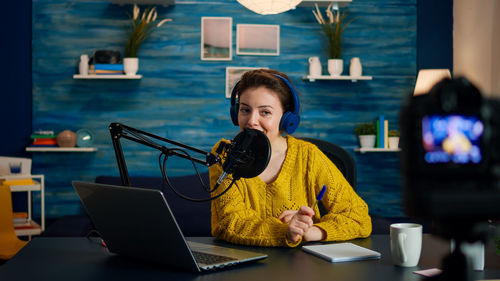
(260, 109)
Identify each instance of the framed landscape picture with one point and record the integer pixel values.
(233, 75)
(258, 39)
(216, 38)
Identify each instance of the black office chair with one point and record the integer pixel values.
(340, 157)
(345, 163)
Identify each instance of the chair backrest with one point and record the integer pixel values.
(6, 217)
(340, 157)
(10, 244)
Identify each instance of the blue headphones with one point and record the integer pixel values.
(289, 121)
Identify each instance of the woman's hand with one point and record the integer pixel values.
(314, 234)
(299, 222)
(286, 216)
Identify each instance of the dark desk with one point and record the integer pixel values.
(82, 259)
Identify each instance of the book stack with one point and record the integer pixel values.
(20, 219)
(106, 69)
(44, 139)
(382, 132)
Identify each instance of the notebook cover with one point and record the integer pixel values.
(341, 252)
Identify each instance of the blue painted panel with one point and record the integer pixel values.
(182, 97)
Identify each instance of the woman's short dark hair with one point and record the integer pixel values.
(266, 78)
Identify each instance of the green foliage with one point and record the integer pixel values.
(333, 29)
(142, 26)
(393, 133)
(365, 129)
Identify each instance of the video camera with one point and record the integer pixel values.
(450, 140)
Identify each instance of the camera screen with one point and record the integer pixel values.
(452, 139)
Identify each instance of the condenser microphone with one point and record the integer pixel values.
(247, 155)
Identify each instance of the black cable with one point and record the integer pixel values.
(98, 235)
(162, 165)
(166, 179)
(205, 187)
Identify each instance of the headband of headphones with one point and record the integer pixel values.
(289, 121)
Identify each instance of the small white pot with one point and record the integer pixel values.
(393, 142)
(335, 67)
(130, 66)
(367, 141)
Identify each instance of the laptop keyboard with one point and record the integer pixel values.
(206, 258)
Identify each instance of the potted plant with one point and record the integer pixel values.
(367, 134)
(393, 139)
(141, 27)
(333, 28)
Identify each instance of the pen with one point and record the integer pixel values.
(318, 198)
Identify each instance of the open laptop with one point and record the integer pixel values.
(137, 222)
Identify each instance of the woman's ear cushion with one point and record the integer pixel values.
(234, 113)
(289, 122)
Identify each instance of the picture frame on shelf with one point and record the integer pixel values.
(233, 75)
(216, 38)
(258, 39)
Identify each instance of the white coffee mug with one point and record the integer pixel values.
(406, 243)
(473, 251)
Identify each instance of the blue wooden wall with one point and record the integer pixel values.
(182, 97)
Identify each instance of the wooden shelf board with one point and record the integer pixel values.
(33, 187)
(33, 229)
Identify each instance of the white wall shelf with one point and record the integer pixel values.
(312, 78)
(322, 3)
(111, 76)
(144, 2)
(373, 149)
(31, 227)
(61, 149)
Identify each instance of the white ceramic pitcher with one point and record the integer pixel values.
(314, 66)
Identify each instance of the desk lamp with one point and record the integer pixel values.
(427, 78)
(269, 7)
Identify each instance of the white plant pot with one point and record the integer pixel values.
(393, 142)
(367, 141)
(335, 67)
(130, 66)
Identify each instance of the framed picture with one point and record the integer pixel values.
(233, 75)
(216, 38)
(258, 39)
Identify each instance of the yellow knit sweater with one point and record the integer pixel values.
(247, 214)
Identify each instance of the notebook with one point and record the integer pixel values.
(138, 223)
(341, 252)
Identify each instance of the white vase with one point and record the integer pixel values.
(335, 67)
(367, 141)
(393, 142)
(314, 66)
(83, 67)
(130, 66)
(355, 68)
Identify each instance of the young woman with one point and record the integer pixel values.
(274, 208)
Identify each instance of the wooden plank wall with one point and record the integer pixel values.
(182, 97)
